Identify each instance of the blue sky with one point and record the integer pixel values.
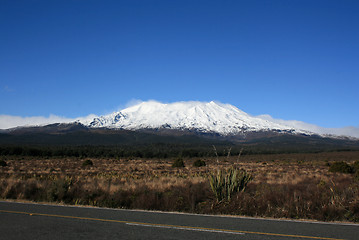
(289, 59)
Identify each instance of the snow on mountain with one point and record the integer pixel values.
(212, 116)
(8, 121)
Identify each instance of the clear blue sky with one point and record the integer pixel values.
(290, 59)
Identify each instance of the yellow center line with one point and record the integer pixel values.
(169, 226)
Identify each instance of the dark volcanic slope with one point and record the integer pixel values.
(78, 135)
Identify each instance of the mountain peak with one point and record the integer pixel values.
(211, 116)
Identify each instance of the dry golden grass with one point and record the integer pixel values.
(158, 173)
(279, 181)
(115, 174)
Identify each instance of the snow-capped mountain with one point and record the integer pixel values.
(211, 117)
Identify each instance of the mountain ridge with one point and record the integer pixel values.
(208, 117)
(81, 140)
(192, 116)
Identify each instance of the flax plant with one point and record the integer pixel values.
(226, 183)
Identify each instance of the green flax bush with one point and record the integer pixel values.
(226, 183)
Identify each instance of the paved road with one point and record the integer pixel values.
(36, 221)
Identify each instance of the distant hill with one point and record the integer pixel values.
(211, 117)
(152, 129)
(200, 118)
(78, 135)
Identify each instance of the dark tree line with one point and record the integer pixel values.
(157, 150)
(152, 151)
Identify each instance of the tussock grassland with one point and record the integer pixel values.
(298, 186)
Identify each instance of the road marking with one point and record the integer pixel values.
(182, 213)
(169, 226)
(187, 228)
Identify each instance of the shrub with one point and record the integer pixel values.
(225, 183)
(341, 167)
(178, 163)
(356, 176)
(59, 188)
(356, 166)
(199, 163)
(87, 162)
(3, 163)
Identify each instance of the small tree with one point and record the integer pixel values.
(341, 167)
(199, 163)
(356, 166)
(87, 163)
(178, 163)
(3, 163)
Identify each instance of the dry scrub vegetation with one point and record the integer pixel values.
(296, 186)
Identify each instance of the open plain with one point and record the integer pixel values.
(295, 186)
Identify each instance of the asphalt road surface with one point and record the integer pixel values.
(39, 221)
